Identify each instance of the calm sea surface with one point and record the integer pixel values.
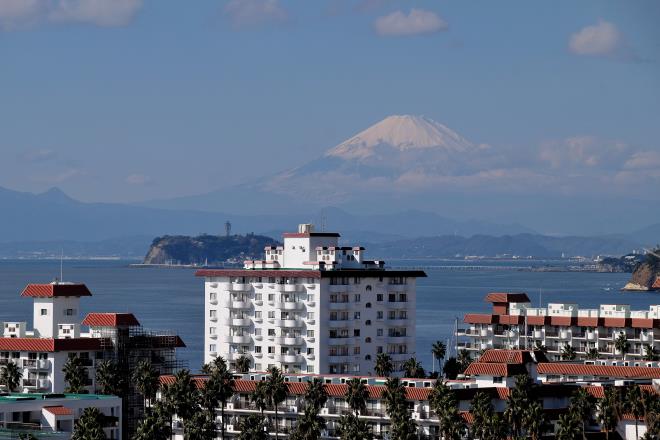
(173, 298)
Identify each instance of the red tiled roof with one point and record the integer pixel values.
(562, 320)
(51, 345)
(511, 319)
(479, 318)
(110, 320)
(599, 370)
(59, 410)
(494, 369)
(55, 290)
(502, 393)
(644, 323)
(538, 320)
(616, 322)
(586, 321)
(512, 356)
(499, 297)
(468, 417)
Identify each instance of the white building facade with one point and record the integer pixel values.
(310, 306)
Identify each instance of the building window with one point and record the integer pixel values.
(271, 314)
(44, 312)
(310, 315)
(310, 368)
(356, 298)
(379, 297)
(257, 296)
(379, 314)
(257, 367)
(257, 348)
(310, 350)
(212, 330)
(271, 350)
(391, 297)
(368, 288)
(310, 297)
(356, 315)
(212, 348)
(379, 332)
(367, 357)
(69, 312)
(368, 305)
(310, 333)
(368, 322)
(379, 350)
(356, 332)
(497, 379)
(212, 313)
(368, 340)
(271, 332)
(213, 296)
(356, 349)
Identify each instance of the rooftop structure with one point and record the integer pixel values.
(514, 324)
(310, 306)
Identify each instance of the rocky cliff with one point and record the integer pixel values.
(211, 249)
(646, 275)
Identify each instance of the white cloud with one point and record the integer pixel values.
(601, 39)
(42, 155)
(584, 152)
(15, 14)
(253, 12)
(417, 22)
(138, 179)
(61, 176)
(108, 13)
(643, 160)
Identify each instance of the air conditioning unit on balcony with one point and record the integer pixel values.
(293, 409)
(325, 411)
(230, 427)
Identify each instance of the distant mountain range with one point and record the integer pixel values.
(407, 162)
(42, 224)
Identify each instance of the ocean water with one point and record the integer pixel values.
(173, 298)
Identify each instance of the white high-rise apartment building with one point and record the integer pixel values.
(310, 306)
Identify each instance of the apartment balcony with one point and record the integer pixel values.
(213, 336)
(591, 336)
(258, 320)
(339, 305)
(646, 337)
(29, 383)
(289, 340)
(398, 339)
(311, 339)
(222, 286)
(397, 287)
(289, 358)
(237, 339)
(258, 337)
(398, 322)
(340, 340)
(290, 323)
(310, 303)
(289, 305)
(43, 364)
(276, 287)
(43, 384)
(564, 334)
(258, 355)
(240, 304)
(257, 285)
(462, 332)
(240, 287)
(237, 355)
(293, 287)
(538, 334)
(241, 322)
(338, 358)
(214, 301)
(338, 288)
(396, 304)
(29, 363)
(258, 302)
(339, 323)
(310, 286)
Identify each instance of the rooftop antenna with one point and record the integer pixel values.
(227, 228)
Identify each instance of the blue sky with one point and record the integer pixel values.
(128, 100)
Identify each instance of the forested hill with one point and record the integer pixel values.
(180, 249)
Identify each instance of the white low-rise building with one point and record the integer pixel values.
(54, 416)
(310, 306)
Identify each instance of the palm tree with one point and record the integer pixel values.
(464, 360)
(316, 394)
(146, 380)
(438, 350)
(451, 368)
(276, 391)
(89, 426)
(538, 345)
(443, 402)
(260, 397)
(413, 368)
(224, 389)
(650, 353)
(154, 426)
(482, 411)
(593, 353)
(10, 376)
(357, 395)
(184, 395)
(568, 427)
(621, 344)
(581, 408)
(394, 396)
(252, 427)
(494, 428)
(383, 367)
(568, 353)
(243, 364)
(634, 404)
(609, 410)
(535, 420)
(199, 426)
(109, 379)
(75, 375)
(517, 402)
(309, 426)
(352, 428)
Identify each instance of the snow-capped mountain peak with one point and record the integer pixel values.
(401, 132)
